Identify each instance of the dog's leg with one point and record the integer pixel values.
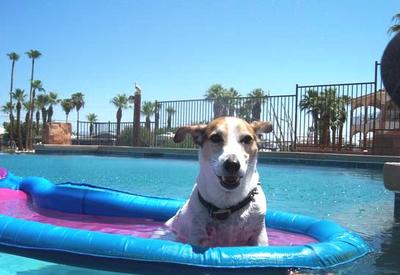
(198, 234)
(260, 239)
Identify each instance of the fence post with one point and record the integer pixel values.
(295, 117)
(156, 121)
(77, 131)
(375, 94)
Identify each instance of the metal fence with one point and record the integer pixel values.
(106, 133)
(344, 117)
(331, 117)
(279, 110)
(334, 116)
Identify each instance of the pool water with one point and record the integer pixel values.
(354, 198)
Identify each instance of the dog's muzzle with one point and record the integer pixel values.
(231, 166)
(229, 182)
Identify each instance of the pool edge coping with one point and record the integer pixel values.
(324, 159)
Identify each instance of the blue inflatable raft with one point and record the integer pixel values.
(95, 227)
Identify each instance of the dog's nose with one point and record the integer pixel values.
(232, 164)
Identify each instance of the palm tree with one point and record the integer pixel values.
(67, 105)
(52, 100)
(148, 109)
(19, 95)
(332, 115)
(120, 101)
(311, 103)
(230, 100)
(327, 103)
(170, 111)
(78, 100)
(27, 107)
(258, 97)
(32, 54)
(395, 28)
(338, 117)
(217, 94)
(13, 57)
(41, 103)
(92, 118)
(157, 108)
(7, 109)
(244, 110)
(36, 86)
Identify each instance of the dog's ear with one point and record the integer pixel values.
(260, 127)
(197, 132)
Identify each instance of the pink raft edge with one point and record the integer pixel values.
(3, 173)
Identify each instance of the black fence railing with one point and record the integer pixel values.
(334, 116)
(330, 117)
(279, 110)
(106, 133)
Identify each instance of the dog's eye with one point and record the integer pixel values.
(216, 138)
(246, 139)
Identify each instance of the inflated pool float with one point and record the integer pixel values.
(85, 225)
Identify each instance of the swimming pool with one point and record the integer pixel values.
(355, 198)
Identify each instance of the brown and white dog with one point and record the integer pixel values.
(227, 206)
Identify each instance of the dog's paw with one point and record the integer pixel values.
(163, 233)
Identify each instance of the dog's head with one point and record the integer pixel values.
(228, 149)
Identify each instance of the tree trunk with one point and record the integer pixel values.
(91, 129)
(26, 122)
(217, 108)
(325, 119)
(148, 123)
(44, 117)
(119, 117)
(50, 112)
(19, 132)
(231, 110)
(340, 137)
(37, 121)
(11, 138)
(28, 139)
(156, 120)
(316, 129)
(11, 111)
(169, 121)
(30, 130)
(326, 136)
(77, 126)
(333, 136)
(256, 111)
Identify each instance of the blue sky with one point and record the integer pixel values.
(177, 49)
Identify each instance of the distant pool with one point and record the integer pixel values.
(355, 198)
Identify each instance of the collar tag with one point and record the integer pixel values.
(221, 214)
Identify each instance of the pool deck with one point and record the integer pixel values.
(321, 159)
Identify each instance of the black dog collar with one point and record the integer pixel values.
(222, 214)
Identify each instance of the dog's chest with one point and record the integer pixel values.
(230, 232)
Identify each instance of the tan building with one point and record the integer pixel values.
(386, 122)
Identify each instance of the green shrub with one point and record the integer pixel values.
(146, 137)
(186, 143)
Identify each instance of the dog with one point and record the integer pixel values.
(227, 205)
